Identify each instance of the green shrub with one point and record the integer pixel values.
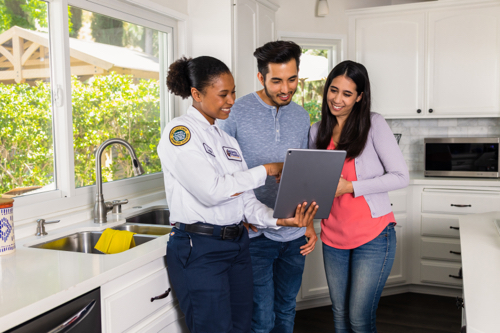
(104, 107)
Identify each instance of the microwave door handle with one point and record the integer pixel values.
(74, 320)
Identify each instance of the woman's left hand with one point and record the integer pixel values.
(343, 187)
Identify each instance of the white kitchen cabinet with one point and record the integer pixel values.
(430, 60)
(440, 254)
(392, 50)
(254, 25)
(127, 304)
(314, 283)
(399, 200)
(231, 30)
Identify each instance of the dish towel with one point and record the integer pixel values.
(115, 241)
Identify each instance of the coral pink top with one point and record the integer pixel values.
(350, 223)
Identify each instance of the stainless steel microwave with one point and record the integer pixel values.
(462, 157)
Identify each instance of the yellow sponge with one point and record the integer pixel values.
(115, 241)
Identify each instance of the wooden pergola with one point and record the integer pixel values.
(24, 57)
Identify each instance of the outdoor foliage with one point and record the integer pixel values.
(104, 107)
(26, 151)
(309, 94)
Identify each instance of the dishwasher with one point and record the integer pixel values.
(80, 315)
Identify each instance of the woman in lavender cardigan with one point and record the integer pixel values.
(359, 241)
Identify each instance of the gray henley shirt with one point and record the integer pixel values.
(264, 136)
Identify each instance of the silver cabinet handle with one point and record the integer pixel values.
(74, 320)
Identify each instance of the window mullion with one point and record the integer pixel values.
(61, 92)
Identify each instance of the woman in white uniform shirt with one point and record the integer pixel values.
(210, 192)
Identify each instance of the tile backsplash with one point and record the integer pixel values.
(415, 130)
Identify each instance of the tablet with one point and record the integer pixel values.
(309, 175)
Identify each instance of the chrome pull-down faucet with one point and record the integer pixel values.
(101, 208)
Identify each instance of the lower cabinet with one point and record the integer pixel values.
(314, 283)
(141, 301)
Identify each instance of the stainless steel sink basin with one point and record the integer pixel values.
(84, 242)
(154, 215)
(145, 229)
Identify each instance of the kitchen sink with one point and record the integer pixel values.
(159, 215)
(84, 242)
(145, 229)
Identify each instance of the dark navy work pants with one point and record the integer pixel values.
(212, 279)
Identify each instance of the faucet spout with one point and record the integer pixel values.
(101, 208)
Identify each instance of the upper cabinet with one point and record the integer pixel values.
(231, 30)
(254, 25)
(430, 60)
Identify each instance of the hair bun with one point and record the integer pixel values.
(178, 78)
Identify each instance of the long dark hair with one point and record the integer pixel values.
(198, 73)
(355, 131)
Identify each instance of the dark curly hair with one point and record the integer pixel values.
(199, 72)
(277, 52)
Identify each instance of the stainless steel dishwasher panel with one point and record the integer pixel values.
(80, 315)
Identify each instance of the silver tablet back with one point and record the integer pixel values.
(309, 175)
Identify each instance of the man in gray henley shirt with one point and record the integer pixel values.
(266, 124)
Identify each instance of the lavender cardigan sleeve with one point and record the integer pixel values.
(379, 169)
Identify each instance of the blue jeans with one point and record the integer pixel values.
(356, 278)
(277, 276)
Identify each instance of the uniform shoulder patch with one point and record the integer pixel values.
(179, 135)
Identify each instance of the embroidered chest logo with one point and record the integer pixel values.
(232, 154)
(179, 135)
(208, 149)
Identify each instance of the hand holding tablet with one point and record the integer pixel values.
(309, 175)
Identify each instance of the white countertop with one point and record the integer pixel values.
(480, 247)
(33, 281)
(418, 178)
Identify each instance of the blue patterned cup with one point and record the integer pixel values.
(7, 239)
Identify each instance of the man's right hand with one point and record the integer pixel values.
(302, 217)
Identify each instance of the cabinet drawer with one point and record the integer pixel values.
(459, 202)
(131, 305)
(439, 272)
(445, 249)
(440, 225)
(398, 201)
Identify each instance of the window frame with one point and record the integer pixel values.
(66, 195)
(334, 44)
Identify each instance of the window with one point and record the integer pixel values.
(26, 133)
(319, 56)
(115, 94)
(104, 82)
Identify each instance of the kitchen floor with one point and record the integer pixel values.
(408, 312)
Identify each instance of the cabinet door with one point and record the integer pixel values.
(314, 283)
(245, 43)
(398, 267)
(392, 50)
(463, 72)
(266, 25)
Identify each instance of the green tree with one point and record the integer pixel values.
(31, 15)
(104, 107)
(107, 30)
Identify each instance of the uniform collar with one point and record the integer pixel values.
(202, 121)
